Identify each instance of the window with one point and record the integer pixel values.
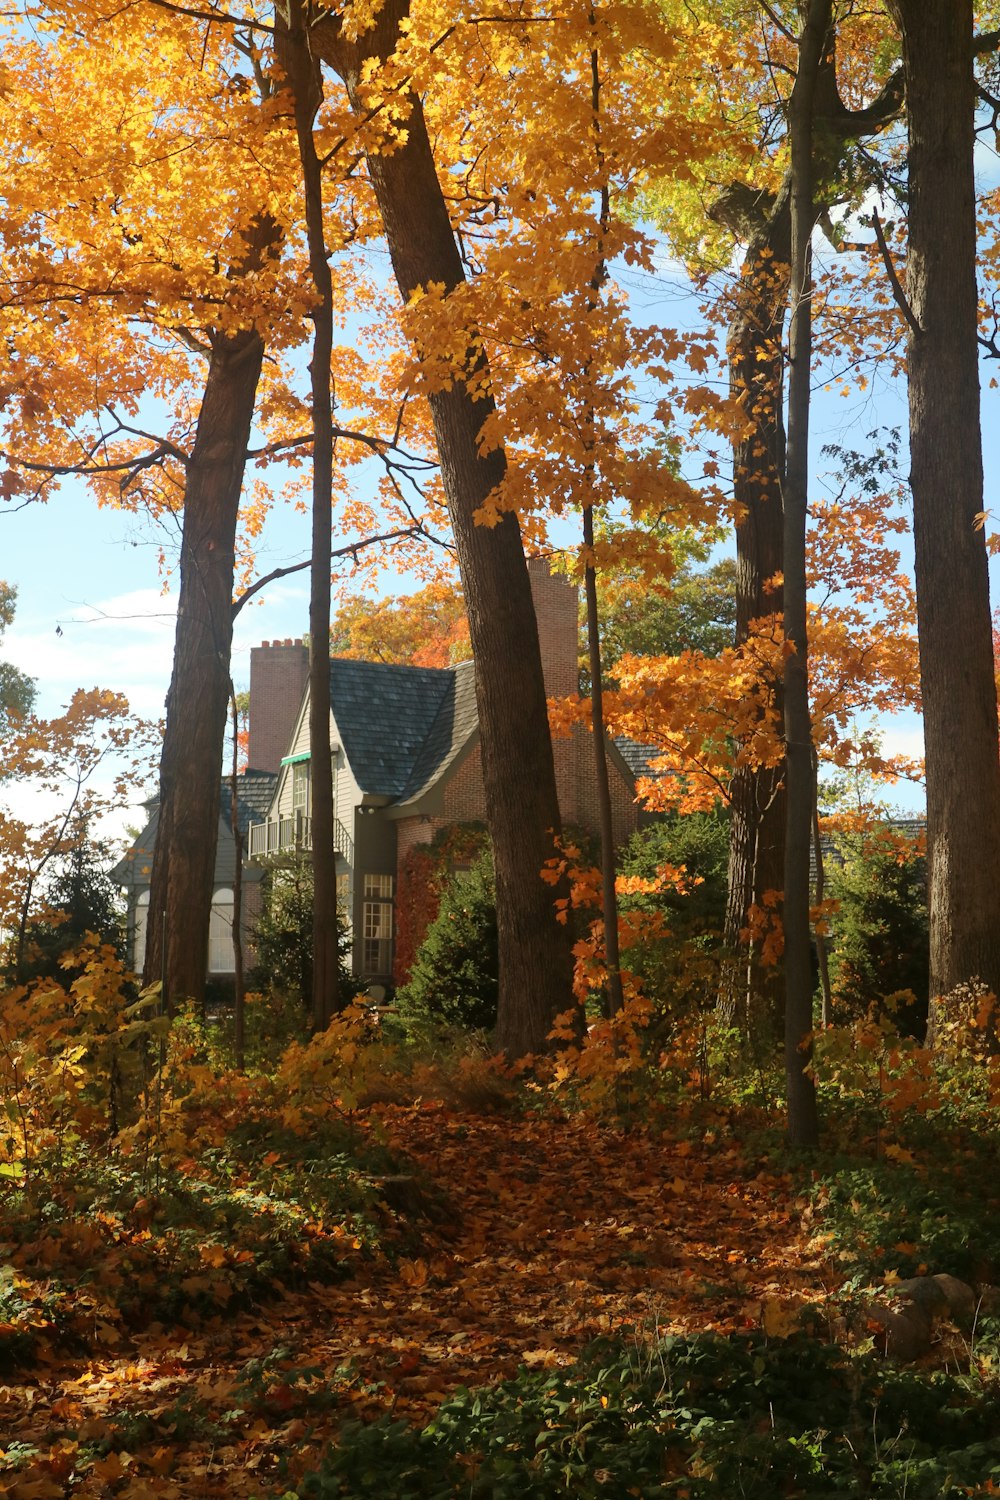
(141, 931)
(300, 787)
(221, 958)
(376, 930)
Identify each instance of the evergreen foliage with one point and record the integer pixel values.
(678, 969)
(453, 981)
(880, 931)
(282, 934)
(80, 898)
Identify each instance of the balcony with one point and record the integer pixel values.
(294, 835)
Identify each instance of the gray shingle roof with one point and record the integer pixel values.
(638, 757)
(255, 791)
(456, 720)
(385, 715)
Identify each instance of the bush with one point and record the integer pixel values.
(453, 980)
(678, 964)
(705, 1417)
(879, 933)
(282, 934)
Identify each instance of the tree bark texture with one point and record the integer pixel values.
(749, 993)
(191, 759)
(303, 73)
(946, 476)
(803, 1124)
(518, 772)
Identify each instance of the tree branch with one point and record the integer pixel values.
(351, 550)
(899, 296)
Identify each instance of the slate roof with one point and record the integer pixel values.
(393, 720)
(456, 720)
(256, 790)
(638, 757)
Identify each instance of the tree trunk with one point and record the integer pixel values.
(803, 1125)
(191, 759)
(609, 892)
(303, 73)
(518, 773)
(946, 477)
(239, 977)
(749, 992)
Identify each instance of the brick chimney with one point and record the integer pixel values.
(556, 602)
(278, 674)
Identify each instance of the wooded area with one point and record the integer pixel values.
(721, 1096)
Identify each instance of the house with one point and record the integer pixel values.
(406, 759)
(255, 792)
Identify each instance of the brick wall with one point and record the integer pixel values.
(278, 674)
(464, 798)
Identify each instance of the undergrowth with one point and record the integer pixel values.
(703, 1418)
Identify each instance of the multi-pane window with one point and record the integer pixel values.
(221, 958)
(376, 931)
(300, 787)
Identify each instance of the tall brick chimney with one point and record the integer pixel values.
(278, 674)
(556, 602)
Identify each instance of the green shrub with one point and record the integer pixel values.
(679, 969)
(706, 1418)
(453, 979)
(879, 938)
(282, 934)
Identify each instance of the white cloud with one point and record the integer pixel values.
(124, 642)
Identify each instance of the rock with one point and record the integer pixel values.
(960, 1297)
(925, 1292)
(903, 1335)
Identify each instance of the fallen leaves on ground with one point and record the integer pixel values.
(540, 1234)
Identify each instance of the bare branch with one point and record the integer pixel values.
(351, 550)
(899, 296)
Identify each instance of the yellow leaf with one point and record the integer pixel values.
(777, 1318)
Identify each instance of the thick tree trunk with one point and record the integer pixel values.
(946, 476)
(191, 759)
(518, 772)
(303, 73)
(749, 992)
(803, 1125)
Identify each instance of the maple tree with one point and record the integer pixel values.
(56, 762)
(518, 772)
(426, 629)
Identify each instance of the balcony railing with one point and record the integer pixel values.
(294, 834)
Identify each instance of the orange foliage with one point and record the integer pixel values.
(425, 629)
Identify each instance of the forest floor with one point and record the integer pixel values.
(519, 1238)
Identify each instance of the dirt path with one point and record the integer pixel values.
(543, 1235)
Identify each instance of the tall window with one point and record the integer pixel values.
(141, 931)
(376, 930)
(221, 958)
(300, 787)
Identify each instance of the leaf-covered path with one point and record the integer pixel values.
(526, 1237)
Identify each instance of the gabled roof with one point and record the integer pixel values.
(456, 721)
(394, 722)
(638, 757)
(255, 790)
